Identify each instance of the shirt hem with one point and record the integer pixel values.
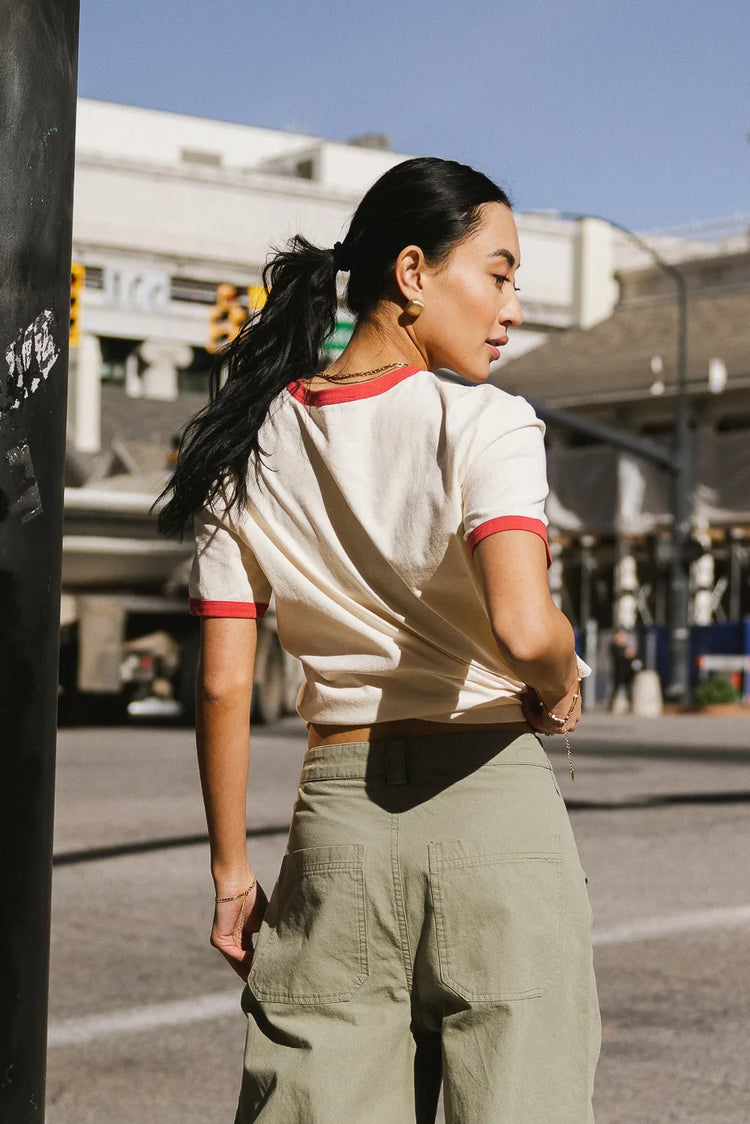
(509, 710)
(249, 610)
(509, 523)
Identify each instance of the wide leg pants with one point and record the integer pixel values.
(430, 921)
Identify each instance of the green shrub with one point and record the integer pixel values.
(715, 689)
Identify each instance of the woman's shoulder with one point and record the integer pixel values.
(483, 406)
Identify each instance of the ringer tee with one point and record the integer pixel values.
(361, 523)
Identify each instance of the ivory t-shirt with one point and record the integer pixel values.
(362, 521)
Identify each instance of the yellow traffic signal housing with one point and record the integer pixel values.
(225, 318)
(256, 297)
(77, 282)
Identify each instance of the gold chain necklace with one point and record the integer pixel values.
(360, 374)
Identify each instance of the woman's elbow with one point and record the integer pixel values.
(524, 648)
(533, 640)
(223, 688)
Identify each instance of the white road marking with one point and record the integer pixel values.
(135, 1020)
(676, 923)
(221, 1004)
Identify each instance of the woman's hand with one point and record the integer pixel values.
(534, 707)
(234, 926)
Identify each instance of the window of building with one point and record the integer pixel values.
(200, 156)
(115, 353)
(305, 169)
(194, 378)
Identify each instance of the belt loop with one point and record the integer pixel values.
(395, 761)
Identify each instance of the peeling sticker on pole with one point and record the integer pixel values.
(25, 499)
(29, 359)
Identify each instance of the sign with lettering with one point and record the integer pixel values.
(136, 290)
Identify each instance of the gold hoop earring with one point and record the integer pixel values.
(414, 308)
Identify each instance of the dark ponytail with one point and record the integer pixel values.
(431, 203)
(280, 342)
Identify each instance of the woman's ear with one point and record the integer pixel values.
(409, 273)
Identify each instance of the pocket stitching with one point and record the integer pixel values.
(481, 859)
(308, 865)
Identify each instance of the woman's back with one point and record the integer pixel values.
(361, 520)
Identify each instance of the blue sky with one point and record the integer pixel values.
(639, 112)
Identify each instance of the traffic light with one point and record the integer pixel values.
(225, 318)
(256, 297)
(77, 282)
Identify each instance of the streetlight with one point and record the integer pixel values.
(680, 468)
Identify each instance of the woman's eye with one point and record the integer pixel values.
(502, 280)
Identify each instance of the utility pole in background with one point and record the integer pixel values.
(678, 688)
(37, 132)
(679, 464)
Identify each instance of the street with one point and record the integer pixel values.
(144, 1016)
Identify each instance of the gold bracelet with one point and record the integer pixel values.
(554, 718)
(562, 723)
(236, 897)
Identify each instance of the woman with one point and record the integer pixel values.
(431, 917)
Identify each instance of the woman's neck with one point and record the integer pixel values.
(374, 345)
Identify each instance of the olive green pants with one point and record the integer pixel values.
(430, 921)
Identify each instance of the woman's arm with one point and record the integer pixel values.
(223, 697)
(534, 637)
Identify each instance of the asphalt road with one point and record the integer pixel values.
(144, 1016)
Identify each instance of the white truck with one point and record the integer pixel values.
(128, 646)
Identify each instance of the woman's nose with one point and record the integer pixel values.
(511, 315)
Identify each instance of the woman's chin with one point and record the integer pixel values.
(480, 375)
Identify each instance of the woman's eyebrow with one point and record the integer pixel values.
(509, 257)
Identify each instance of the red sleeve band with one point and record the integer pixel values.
(509, 523)
(253, 610)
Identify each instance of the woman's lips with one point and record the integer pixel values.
(495, 346)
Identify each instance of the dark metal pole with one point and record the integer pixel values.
(37, 127)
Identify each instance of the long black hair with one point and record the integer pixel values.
(431, 203)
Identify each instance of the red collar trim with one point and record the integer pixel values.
(328, 395)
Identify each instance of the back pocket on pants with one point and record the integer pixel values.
(312, 946)
(498, 917)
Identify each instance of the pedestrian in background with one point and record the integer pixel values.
(431, 918)
(623, 656)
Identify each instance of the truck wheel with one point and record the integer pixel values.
(268, 693)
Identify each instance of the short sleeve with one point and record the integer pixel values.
(226, 579)
(504, 474)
